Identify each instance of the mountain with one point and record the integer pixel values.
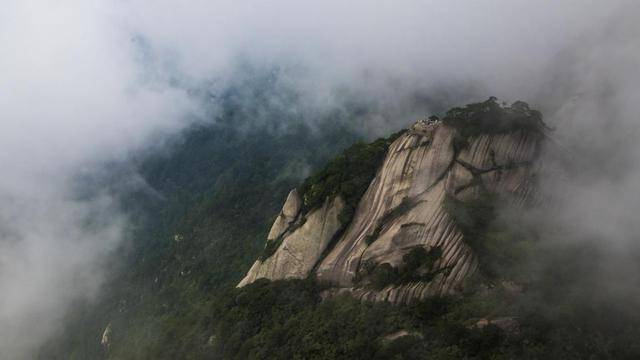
(418, 245)
(405, 211)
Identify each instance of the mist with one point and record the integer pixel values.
(85, 82)
(593, 185)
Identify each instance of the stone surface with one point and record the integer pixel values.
(509, 325)
(287, 215)
(402, 333)
(105, 340)
(303, 243)
(420, 169)
(402, 209)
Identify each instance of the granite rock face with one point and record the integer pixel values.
(303, 240)
(403, 208)
(105, 340)
(287, 216)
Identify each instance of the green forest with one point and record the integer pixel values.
(173, 295)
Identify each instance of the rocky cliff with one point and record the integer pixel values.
(299, 241)
(402, 243)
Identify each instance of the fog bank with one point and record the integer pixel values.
(83, 82)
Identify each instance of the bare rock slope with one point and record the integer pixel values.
(404, 209)
(300, 240)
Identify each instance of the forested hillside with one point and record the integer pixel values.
(200, 219)
(203, 216)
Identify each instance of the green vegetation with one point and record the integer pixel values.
(472, 217)
(405, 205)
(489, 117)
(418, 257)
(416, 265)
(219, 186)
(287, 320)
(371, 238)
(270, 248)
(502, 248)
(348, 175)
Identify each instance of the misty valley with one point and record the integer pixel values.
(435, 242)
(319, 180)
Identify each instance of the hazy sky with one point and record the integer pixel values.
(87, 81)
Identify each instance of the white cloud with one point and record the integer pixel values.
(84, 81)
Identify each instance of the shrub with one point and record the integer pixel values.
(405, 205)
(501, 248)
(419, 257)
(347, 175)
(270, 248)
(489, 117)
(416, 266)
(383, 275)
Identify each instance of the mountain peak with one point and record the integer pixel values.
(404, 240)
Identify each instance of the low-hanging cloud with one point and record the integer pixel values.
(71, 95)
(87, 81)
(591, 94)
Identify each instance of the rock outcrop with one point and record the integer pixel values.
(303, 239)
(105, 340)
(287, 216)
(403, 208)
(509, 325)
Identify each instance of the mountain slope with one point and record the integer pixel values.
(197, 222)
(177, 298)
(403, 209)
